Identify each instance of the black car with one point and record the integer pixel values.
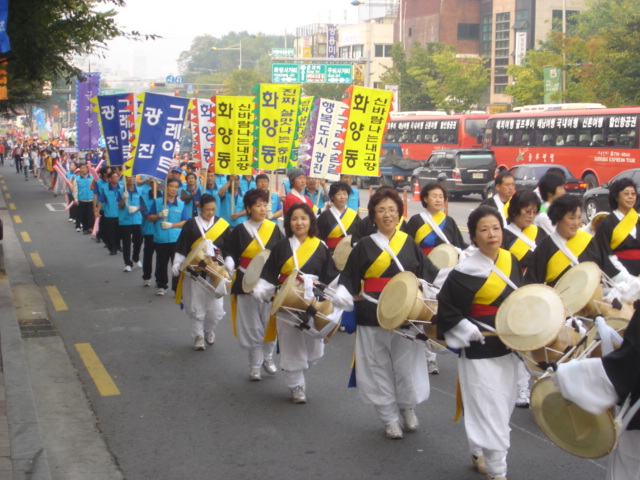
(597, 199)
(528, 175)
(462, 170)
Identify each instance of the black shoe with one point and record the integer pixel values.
(86, 232)
(113, 252)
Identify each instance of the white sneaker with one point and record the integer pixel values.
(298, 395)
(432, 367)
(269, 366)
(523, 398)
(78, 229)
(209, 337)
(146, 283)
(409, 418)
(254, 374)
(71, 220)
(127, 268)
(199, 343)
(392, 430)
(161, 292)
(139, 264)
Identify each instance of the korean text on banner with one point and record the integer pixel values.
(159, 134)
(306, 103)
(368, 113)
(87, 127)
(126, 123)
(109, 115)
(277, 116)
(327, 125)
(233, 139)
(202, 130)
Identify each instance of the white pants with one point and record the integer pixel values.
(298, 351)
(204, 310)
(390, 371)
(624, 463)
(523, 376)
(251, 323)
(489, 388)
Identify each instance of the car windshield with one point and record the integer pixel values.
(476, 160)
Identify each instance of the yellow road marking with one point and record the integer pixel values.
(17, 219)
(12, 206)
(7, 196)
(4, 187)
(57, 300)
(37, 261)
(25, 237)
(105, 384)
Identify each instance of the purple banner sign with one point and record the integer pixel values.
(88, 128)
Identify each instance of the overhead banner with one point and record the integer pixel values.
(159, 134)
(327, 125)
(368, 112)
(202, 130)
(277, 112)
(87, 127)
(233, 134)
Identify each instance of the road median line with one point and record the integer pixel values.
(105, 384)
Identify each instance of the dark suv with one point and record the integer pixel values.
(463, 170)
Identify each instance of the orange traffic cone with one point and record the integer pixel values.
(416, 192)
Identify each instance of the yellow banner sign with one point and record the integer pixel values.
(233, 138)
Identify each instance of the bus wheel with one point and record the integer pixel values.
(591, 180)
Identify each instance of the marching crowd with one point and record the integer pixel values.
(200, 226)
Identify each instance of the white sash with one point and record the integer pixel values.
(254, 232)
(562, 245)
(210, 249)
(513, 228)
(426, 216)
(337, 215)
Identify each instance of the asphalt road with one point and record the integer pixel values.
(176, 413)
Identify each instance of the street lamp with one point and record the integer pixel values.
(237, 46)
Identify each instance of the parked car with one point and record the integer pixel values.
(528, 175)
(597, 199)
(395, 170)
(463, 170)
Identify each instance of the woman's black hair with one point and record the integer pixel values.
(563, 205)
(522, 199)
(380, 195)
(339, 187)
(478, 214)
(432, 186)
(548, 185)
(313, 226)
(252, 196)
(616, 187)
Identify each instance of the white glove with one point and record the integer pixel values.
(133, 209)
(125, 194)
(230, 265)
(167, 225)
(341, 298)
(263, 291)
(175, 268)
(463, 334)
(633, 292)
(221, 289)
(270, 215)
(164, 213)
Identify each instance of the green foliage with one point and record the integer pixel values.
(324, 90)
(46, 34)
(242, 82)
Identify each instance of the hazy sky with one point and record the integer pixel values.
(179, 21)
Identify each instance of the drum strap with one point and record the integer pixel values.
(626, 227)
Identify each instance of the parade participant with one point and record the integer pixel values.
(225, 193)
(339, 221)
(315, 190)
(108, 200)
(618, 232)
(368, 226)
(551, 186)
(251, 316)
(568, 245)
(204, 309)
(98, 185)
(275, 210)
(487, 369)
(596, 384)
(247, 183)
(147, 198)
(389, 368)
(130, 224)
(354, 196)
(505, 185)
(210, 187)
(302, 250)
(166, 232)
(190, 194)
(83, 199)
(298, 181)
(521, 236)
(73, 210)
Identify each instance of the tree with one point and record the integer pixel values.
(324, 90)
(242, 82)
(45, 35)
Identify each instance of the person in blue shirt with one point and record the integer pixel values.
(73, 210)
(168, 225)
(83, 199)
(98, 186)
(274, 204)
(354, 199)
(316, 192)
(210, 187)
(145, 187)
(224, 193)
(108, 200)
(247, 183)
(190, 195)
(129, 224)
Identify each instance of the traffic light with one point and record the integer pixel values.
(157, 84)
(177, 93)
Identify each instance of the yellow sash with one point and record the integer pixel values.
(426, 229)
(347, 219)
(383, 261)
(494, 285)
(559, 261)
(304, 253)
(505, 209)
(264, 232)
(623, 229)
(520, 247)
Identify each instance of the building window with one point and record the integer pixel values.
(522, 15)
(383, 50)
(501, 51)
(344, 52)
(468, 31)
(486, 41)
(322, 49)
(357, 51)
(410, 31)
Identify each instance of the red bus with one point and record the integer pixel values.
(421, 133)
(594, 145)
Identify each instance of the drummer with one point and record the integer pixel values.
(487, 369)
(204, 310)
(338, 221)
(596, 384)
(618, 233)
(304, 251)
(250, 316)
(521, 236)
(389, 370)
(368, 226)
(568, 245)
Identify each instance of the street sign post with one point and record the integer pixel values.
(311, 73)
